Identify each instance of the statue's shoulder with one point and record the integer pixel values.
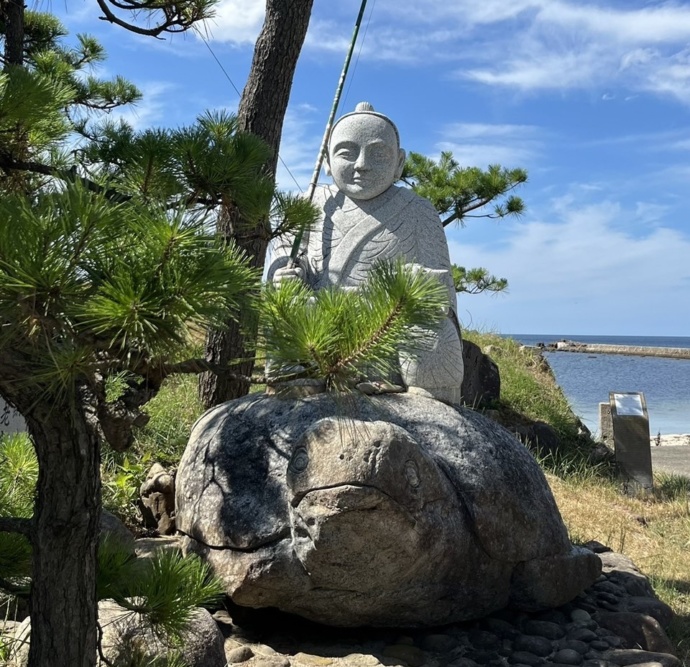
(414, 202)
(322, 193)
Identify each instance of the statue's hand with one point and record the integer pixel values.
(288, 273)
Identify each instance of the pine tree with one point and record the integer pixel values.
(459, 193)
(108, 265)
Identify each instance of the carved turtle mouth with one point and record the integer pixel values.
(366, 499)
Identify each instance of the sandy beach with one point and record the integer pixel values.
(672, 440)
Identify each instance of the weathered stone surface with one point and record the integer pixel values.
(481, 383)
(413, 513)
(124, 632)
(636, 657)
(651, 607)
(157, 500)
(125, 635)
(147, 547)
(507, 636)
(637, 630)
(112, 527)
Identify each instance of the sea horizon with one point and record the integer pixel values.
(587, 379)
(637, 341)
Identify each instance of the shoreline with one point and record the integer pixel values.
(670, 440)
(600, 348)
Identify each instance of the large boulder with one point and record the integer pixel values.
(481, 383)
(395, 510)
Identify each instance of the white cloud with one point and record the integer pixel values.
(531, 45)
(482, 144)
(299, 147)
(583, 272)
(235, 21)
(150, 111)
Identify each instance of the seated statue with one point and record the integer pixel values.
(366, 219)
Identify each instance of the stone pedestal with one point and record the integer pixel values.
(630, 423)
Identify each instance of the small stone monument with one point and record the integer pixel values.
(367, 219)
(630, 426)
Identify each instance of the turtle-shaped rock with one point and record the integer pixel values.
(393, 510)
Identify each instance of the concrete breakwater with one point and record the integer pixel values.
(633, 350)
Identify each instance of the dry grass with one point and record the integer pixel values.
(653, 532)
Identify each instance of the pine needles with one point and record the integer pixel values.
(340, 335)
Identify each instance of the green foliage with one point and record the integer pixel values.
(121, 482)
(18, 474)
(529, 393)
(165, 588)
(475, 281)
(461, 192)
(85, 282)
(338, 334)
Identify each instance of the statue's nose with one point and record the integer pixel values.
(361, 163)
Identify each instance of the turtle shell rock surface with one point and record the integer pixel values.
(395, 510)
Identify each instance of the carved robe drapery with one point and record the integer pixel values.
(351, 236)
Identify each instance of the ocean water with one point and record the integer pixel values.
(587, 379)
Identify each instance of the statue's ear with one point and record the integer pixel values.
(401, 164)
(327, 165)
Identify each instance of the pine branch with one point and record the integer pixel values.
(16, 525)
(175, 21)
(194, 366)
(371, 343)
(9, 163)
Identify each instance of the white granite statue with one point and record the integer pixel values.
(368, 219)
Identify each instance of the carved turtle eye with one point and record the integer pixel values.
(299, 461)
(412, 473)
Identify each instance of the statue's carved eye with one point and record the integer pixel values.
(299, 461)
(412, 473)
(346, 154)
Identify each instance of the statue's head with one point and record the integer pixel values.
(364, 154)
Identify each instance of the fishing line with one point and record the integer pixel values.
(239, 94)
(359, 53)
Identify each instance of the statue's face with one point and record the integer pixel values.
(364, 158)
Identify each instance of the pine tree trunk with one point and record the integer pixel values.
(261, 112)
(12, 14)
(65, 538)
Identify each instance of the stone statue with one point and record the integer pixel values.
(393, 510)
(367, 219)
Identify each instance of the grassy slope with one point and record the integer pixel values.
(654, 532)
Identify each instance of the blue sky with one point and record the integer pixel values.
(592, 98)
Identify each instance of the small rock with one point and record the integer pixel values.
(580, 616)
(438, 643)
(568, 656)
(413, 656)
(533, 644)
(278, 661)
(501, 628)
(632, 656)
(649, 606)
(575, 645)
(483, 639)
(599, 645)
(582, 634)
(239, 654)
(312, 660)
(637, 631)
(543, 629)
(525, 658)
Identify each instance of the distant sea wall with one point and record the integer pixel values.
(632, 350)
